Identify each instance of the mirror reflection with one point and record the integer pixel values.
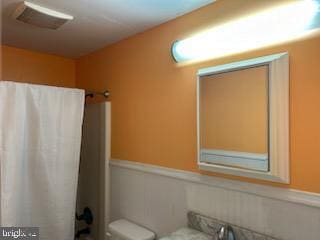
(233, 118)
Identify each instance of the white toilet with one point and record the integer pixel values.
(126, 230)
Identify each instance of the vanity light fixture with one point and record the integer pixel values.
(276, 25)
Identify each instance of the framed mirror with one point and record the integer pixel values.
(243, 118)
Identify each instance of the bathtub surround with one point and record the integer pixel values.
(159, 199)
(39, 157)
(93, 185)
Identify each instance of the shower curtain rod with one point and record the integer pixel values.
(91, 94)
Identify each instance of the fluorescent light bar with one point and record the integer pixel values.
(265, 28)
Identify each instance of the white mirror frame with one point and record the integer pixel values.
(278, 118)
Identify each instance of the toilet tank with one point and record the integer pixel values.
(125, 230)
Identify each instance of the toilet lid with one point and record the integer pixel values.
(130, 231)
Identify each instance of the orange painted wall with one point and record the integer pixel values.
(234, 110)
(154, 99)
(33, 67)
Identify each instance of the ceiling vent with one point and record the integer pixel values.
(40, 16)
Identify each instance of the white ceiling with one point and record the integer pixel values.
(96, 23)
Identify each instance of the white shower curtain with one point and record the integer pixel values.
(40, 136)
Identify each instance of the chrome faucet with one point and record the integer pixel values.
(226, 233)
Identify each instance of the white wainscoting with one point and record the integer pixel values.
(159, 198)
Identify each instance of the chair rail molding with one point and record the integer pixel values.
(278, 193)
